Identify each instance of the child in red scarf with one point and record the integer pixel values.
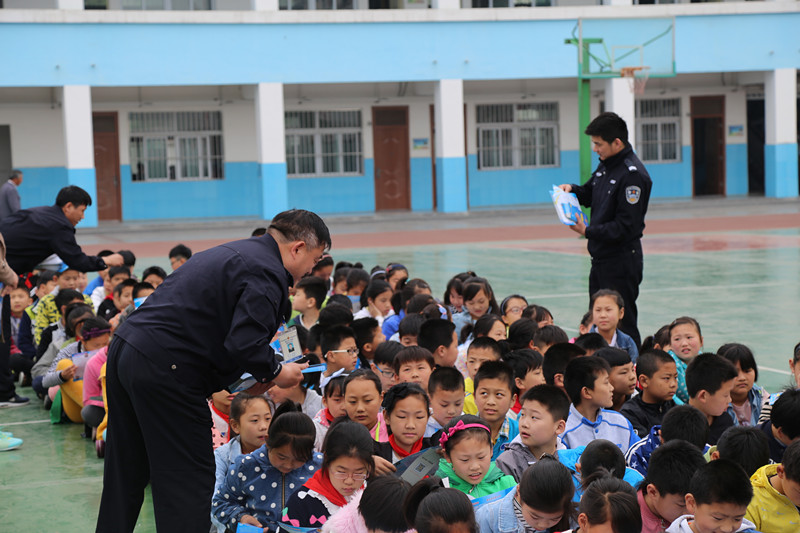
(347, 464)
(405, 409)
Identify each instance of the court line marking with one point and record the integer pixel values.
(25, 422)
(775, 370)
(51, 483)
(687, 288)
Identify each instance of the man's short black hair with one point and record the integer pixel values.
(258, 232)
(591, 342)
(746, 446)
(613, 356)
(791, 462)
(333, 337)
(687, 423)
(72, 194)
(707, 372)
(142, 286)
(602, 454)
(583, 372)
(672, 466)
(313, 287)
(549, 335)
(130, 282)
(445, 378)
(154, 270)
(551, 398)
(495, 370)
(435, 332)
(180, 251)
(721, 481)
(302, 225)
(557, 358)
(608, 126)
(117, 270)
(410, 325)
(650, 361)
(785, 413)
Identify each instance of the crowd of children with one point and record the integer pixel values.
(532, 431)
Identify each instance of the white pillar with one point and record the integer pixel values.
(620, 100)
(70, 4)
(76, 110)
(264, 5)
(446, 4)
(780, 150)
(451, 167)
(271, 142)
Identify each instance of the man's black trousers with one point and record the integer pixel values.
(623, 273)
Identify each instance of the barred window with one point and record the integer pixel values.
(658, 130)
(324, 143)
(294, 5)
(176, 146)
(169, 5)
(518, 135)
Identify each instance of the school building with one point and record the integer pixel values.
(193, 109)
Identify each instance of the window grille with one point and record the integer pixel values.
(294, 5)
(176, 146)
(168, 5)
(658, 130)
(324, 143)
(517, 135)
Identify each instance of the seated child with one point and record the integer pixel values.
(21, 325)
(367, 510)
(686, 341)
(608, 308)
(94, 408)
(599, 455)
(256, 485)
(521, 333)
(47, 311)
(446, 392)
(658, 380)
(794, 367)
(383, 362)
(622, 376)
(362, 402)
(301, 393)
(376, 301)
(747, 397)
(346, 465)
(467, 463)
(709, 380)
(783, 426)
(558, 357)
(587, 385)
(663, 491)
(338, 346)
(494, 396)
(368, 337)
(591, 342)
(432, 508)
(527, 367)
(776, 494)
(333, 408)
(309, 295)
(541, 503)
(512, 308)
(405, 409)
(480, 350)
(539, 314)
(542, 419)
(438, 336)
(608, 505)
(154, 275)
(413, 364)
(547, 336)
(94, 335)
(408, 329)
(718, 497)
(746, 446)
(122, 298)
(681, 422)
(111, 278)
(220, 406)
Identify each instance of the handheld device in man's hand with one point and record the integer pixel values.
(243, 383)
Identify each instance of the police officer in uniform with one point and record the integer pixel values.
(210, 321)
(618, 193)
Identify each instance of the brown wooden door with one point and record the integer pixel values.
(708, 145)
(391, 152)
(106, 164)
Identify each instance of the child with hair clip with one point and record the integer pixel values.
(453, 298)
(685, 343)
(405, 409)
(259, 483)
(376, 301)
(367, 511)
(541, 503)
(333, 408)
(396, 275)
(346, 465)
(478, 300)
(608, 308)
(747, 397)
(466, 444)
(608, 505)
(432, 508)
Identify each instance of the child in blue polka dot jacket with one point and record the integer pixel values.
(258, 485)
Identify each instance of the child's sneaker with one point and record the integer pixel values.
(14, 401)
(9, 443)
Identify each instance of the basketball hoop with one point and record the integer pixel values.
(637, 78)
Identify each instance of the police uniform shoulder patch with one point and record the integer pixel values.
(632, 194)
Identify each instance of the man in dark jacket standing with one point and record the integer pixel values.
(618, 193)
(211, 320)
(32, 235)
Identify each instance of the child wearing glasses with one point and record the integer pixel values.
(346, 465)
(338, 344)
